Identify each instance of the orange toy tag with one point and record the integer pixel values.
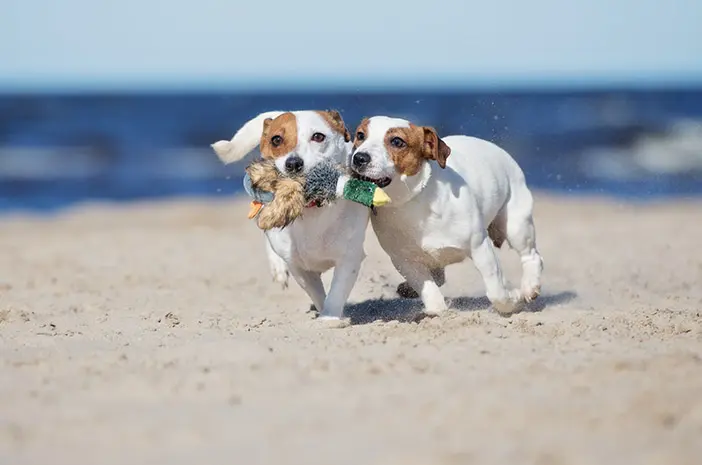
(255, 207)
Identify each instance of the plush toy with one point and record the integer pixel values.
(279, 199)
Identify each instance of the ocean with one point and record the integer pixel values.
(59, 150)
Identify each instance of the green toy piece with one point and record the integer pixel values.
(365, 192)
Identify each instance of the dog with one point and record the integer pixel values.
(322, 238)
(453, 198)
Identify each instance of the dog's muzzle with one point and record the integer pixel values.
(360, 160)
(359, 163)
(294, 164)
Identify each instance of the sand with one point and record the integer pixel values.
(152, 333)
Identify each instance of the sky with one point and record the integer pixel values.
(48, 45)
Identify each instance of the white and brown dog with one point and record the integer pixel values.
(331, 236)
(448, 208)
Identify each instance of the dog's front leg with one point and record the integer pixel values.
(278, 267)
(420, 278)
(406, 291)
(345, 275)
(311, 283)
(485, 259)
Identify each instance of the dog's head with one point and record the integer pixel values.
(298, 140)
(387, 147)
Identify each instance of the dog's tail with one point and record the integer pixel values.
(245, 140)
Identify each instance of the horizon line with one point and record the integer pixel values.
(438, 84)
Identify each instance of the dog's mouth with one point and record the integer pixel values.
(382, 182)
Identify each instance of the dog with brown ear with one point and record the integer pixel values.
(454, 198)
(319, 238)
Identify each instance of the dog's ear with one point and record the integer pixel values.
(434, 147)
(266, 124)
(336, 122)
(264, 130)
(246, 139)
(339, 123)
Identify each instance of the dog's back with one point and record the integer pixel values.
(491, 174)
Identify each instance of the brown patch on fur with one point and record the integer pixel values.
(336, 122)
(363, 127)
(435, 148)
(421, 144)
(497, 235)
(408, 159)
(283, 126)
(289, 200)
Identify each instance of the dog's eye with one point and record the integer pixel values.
(360, 135)
(276, 141)
(398, 143)
(318, 137)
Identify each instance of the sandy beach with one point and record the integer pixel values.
(152, 333)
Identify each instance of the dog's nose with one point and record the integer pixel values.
(360, 159)
(294, 164)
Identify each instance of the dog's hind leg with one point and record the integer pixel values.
(420, 277)
(484, 255)
(406, 291)
(521, 237)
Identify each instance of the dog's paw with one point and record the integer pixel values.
(437, 308)
(530, 292)
(281, 276)
(510, 305)
(332, 322)
(279, 272)
(405, 291)
(531, 279)
(504, 307)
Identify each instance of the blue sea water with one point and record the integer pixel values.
(57, 150)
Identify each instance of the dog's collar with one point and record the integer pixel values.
(313, 204)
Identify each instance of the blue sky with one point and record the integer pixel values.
(209, 44)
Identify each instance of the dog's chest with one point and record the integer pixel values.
(324, 236)
(424, 233)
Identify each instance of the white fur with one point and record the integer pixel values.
(244, 141)
(440, 216)
(323, 238)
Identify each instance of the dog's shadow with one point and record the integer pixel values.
(407, 310)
